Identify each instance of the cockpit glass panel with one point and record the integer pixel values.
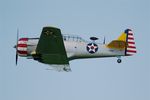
(72, 38)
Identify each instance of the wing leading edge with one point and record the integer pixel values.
(50, 48)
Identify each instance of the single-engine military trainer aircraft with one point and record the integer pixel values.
(57, 50)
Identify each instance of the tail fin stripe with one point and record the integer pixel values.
(129, 54)
(131, 47)
(131, 42)
(130, 38)
(130, 33)
(132, 51)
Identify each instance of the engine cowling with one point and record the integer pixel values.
(22, 47)
(26, 47)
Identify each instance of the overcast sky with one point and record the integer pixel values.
(90, 79)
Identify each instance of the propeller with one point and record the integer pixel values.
(104, 40)
(16, 46)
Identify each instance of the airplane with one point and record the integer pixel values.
(57, 50)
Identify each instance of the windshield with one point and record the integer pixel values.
(72, 38)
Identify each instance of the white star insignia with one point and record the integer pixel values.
(92, 47)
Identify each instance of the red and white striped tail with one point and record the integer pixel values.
(131, 48)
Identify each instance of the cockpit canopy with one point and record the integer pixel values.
(69, 37)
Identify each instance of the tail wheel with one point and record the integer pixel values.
(119, 60)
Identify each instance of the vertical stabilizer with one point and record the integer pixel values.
(130, 48)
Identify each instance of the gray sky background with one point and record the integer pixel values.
(90, 79)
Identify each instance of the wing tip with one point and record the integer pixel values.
(60, 68)
(50, 27)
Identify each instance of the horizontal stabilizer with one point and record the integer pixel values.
(117, 44)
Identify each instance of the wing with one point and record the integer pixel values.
(51, 48)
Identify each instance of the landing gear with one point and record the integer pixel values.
(119, 60)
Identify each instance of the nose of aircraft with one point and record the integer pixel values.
(21, 48)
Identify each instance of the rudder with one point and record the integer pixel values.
(130, 48)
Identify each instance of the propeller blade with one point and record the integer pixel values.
(104, 40)
(16, 58)
(17, 37)
(16, 46)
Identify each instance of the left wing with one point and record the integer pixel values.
(50, 48)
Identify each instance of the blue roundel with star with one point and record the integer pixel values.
(92, 48)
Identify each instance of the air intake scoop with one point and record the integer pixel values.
(93, 38)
